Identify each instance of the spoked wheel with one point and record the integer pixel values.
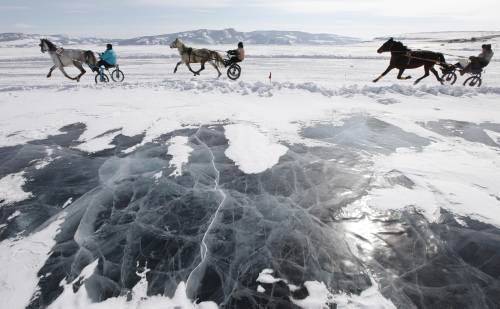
(449, 78)
(117, 75)
(234, 72)
(101, 79)
(473, 81)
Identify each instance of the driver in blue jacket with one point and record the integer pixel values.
(108, 58)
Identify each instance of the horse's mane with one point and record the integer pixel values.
(397, 45)
(52, 46)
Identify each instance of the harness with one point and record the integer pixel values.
(408, 54)
(189, 52)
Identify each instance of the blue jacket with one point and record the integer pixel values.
(109, 56)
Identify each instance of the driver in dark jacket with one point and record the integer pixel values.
(477, 63)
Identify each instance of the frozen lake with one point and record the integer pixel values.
(318, 190)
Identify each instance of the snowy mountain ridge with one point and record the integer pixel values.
(202, 36)
(446, 36)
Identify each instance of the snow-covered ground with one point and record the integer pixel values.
(429, 149)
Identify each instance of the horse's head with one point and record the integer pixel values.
(387, 47)
(44, 47)
(176, 44)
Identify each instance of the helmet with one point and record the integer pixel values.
(240, 45)
(109, 46)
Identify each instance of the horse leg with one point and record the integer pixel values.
(177, 66)
(202, 68)
(192, 71)
(433, 70)
(384, 74)
(51, 70)
(66, 74)
(79, 67)
(216, 67)
(400, 75)
(426, 68)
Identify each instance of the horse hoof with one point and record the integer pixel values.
(375, 80)
(408, 77)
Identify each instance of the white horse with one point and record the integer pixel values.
(67, 57)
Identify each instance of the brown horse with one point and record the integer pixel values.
(190, 55)
(403, 58)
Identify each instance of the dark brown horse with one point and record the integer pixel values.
(403, 58)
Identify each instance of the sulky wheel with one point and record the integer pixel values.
(449, 78)
(117, 75)
(101, 79)
(473, 81)
(234, 72)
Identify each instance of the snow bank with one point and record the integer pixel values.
(180, 151)
(11, 189)
(20, 261)
(268, 89)
(251, 150)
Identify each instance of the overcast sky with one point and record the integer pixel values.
(360, 18)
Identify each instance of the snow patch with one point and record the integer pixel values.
(139, 297)
(40, 164)
(99, 143)
(319, 297)
(251, 150)
(21, 260)
(16, 214)
(266, 276)
(370, 298)
(67, 203)
(11, 189)
(453, 177)
(180, 151)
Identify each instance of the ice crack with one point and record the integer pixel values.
(203, 245)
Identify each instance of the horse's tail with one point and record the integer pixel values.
(219, 61)
(90, 57)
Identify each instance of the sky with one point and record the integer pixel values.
(359, 18)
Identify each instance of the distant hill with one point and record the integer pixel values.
(231, 36)
(197, 37)
(448, 36)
